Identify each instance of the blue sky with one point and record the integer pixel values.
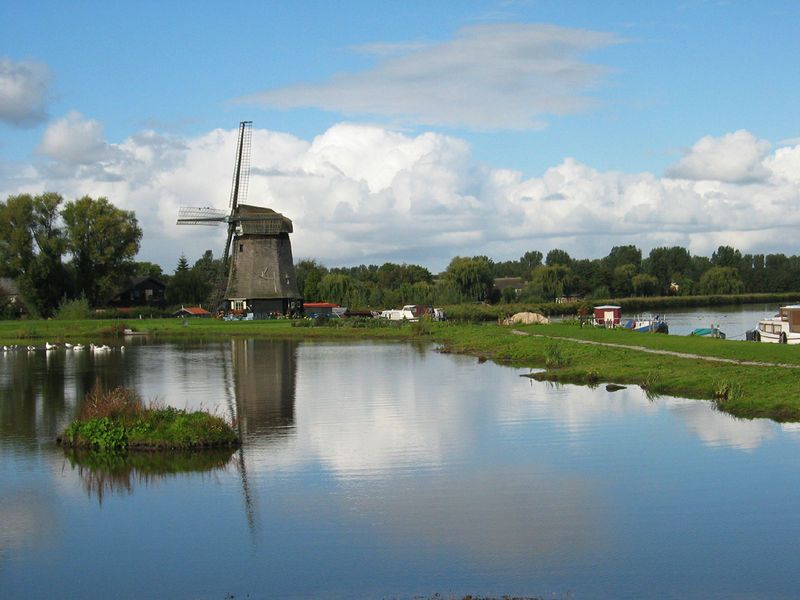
(627, 91)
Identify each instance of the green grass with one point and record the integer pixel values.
(115, 420)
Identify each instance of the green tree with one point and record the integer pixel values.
(31, 249)
(102, 240)
(472, 277)
(553, 280)
(622, 280)
(721, 280)
(624, 255)
(727, 256)
(668, 265)
(335, 288)
(645, 284)
(309, 274)
(558, 257)
(148, 269)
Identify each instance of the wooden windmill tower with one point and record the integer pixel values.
(258, 253)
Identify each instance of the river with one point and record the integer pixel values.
(388, 470)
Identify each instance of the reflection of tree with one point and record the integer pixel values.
(264, 374)
(119, 473)
(40, 391)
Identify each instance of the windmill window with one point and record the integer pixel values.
(241, 247)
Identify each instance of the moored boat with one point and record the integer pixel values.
(648, 324)
(783, 328)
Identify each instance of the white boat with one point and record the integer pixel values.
(783, 328)
(412, 312)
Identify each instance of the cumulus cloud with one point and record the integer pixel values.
(74, 140)
(735, 158)
(24, 92)
(501, 76)
(367, 194)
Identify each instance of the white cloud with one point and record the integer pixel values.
(360, 193)
(505, 76)
(736, 158)
(24, 92)
(75, 140)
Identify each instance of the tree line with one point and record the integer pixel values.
(624, 272)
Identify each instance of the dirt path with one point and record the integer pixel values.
(748, 363)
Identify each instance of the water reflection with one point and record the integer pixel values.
(104, 473)
(394, 469)
(264, 377)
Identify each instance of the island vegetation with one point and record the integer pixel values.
(113, 420)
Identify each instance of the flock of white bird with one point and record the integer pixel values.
(48, 347)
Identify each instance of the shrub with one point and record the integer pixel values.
(554, 357)
(73, 310)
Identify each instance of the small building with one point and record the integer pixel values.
(501, 283)
(191, 311)
(141, 291)
(607, 315)
(572, 299)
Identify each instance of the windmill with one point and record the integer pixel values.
(258, 265)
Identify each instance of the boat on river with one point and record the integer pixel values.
(783, 328)
(647, 324)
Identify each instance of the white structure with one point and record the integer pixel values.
(783, 328)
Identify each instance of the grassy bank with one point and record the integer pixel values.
(113, 420)
(743, 390)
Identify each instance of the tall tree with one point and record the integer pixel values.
(471, 276)
(558, 257)
(721, 280)
(31, 249)
(102, 240)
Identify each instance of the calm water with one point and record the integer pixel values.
(389, 470)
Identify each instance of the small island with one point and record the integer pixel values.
(117, 420)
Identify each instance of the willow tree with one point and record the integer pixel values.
(472, 277)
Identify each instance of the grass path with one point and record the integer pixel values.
(749, 363)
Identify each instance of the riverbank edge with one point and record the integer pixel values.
(745, 391)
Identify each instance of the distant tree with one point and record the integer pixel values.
(335, 288)
(727, 256)
(309, 274)
(508, 295)
(148, 269)
(102, 240)
(558, 257)
(209, 273)
(184, 286)
(31, 249)
(645, 285)
(529, 261)
(622, 280)
(472, 277)
(721, 280)
(553, 280)
(624, 255)
(665, 263)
